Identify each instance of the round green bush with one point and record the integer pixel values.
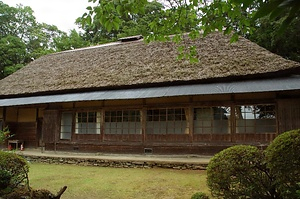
(5, 178)
(199, 195)
(16, 166)
(283, 160)
(238, 172)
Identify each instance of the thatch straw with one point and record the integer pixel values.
(134, 64)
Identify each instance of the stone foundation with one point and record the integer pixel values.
(115, 163)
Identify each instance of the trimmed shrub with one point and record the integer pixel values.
(199, 195)
(239, 172)
(5, 178)
(16, 167)
(283, 160)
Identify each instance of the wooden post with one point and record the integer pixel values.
(143, 123)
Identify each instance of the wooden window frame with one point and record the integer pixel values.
(87, 122)
(214, 120)
(250, 120)
(64, 126)
(124, 121)
(162, 121)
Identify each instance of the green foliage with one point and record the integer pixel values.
(246, 172)
(125, 18)
(298, 191)
(275, 8)
(72, 41)
(228, 16)
(110, 12)
(5, 178)
(238, 172)
(283, 160)
(110, 20)
(13, 52)
(14, 181)
(199, 195)
(11, 69)
(23, 39)
(5, 134)
(100, 29)
(233, 17)
(41, 41)
(17, 168)
(177, 17)
(285, 44)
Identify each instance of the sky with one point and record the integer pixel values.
(61, 13)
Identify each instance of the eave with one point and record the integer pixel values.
(249, 86)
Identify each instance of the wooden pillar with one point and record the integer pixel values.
(190, 123)
(232, 123)
(3, 117)
(143, 123)
(102, 123)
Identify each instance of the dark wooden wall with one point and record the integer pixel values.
(288, 115)
(25, 131)
(50, 126)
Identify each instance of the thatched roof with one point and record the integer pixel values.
(136, 64)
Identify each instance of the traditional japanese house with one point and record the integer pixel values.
(132, 97)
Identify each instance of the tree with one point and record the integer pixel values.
(176, 18)
(23, 39)
(285, 44)
(16, 21)
(178, 15)
(12, 54)
(13, 37)
(133, 24)
(41, 40)
(275, 8)
(230, 16)
(138, 24)
(6, 15)
(71, 41)
(95, 33)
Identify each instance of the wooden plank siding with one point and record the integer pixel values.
(25, 131)
(123, 138)
(288, 114)
(255, 138)
(88, 137)
(171, 138)
(50, 126)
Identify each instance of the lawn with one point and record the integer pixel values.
(116, 183)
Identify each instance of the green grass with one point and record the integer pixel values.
(117, 183)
